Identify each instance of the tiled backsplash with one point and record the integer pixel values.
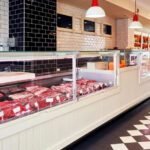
(4, 24)
(40, 25)
(33, 24)
(77, 39)
(16, 23)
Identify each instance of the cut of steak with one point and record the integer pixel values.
(37, 90)
(51, 98)
(32, 101)
(11, 109)
(21, 95)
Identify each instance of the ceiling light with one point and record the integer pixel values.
(136, 24)
(95, 11)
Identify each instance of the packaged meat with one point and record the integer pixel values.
(21, 95)
(51, 98)
(30, 103)
(37, 90)
(11, 109)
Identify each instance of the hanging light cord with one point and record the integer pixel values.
(135, 7)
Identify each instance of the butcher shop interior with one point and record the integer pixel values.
(74, 75)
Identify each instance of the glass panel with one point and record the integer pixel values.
(107, 29)
(53, 82)
(64, 21)
(89, 26)
(145, 64)
(96, 71)
(128, 58)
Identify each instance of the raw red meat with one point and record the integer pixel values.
(50, 98)
(30, 103)
(11, 109)
(65, 89)
(21, 95)
(37, 90)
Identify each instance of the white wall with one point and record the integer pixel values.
(4, 21)
(124, 35)
(77, 39)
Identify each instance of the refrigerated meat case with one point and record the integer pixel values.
(139, 58)
(144, 66)
(24, 91)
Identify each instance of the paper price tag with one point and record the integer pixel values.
(106, 84)
(81, 92)
(1, 113)
(27, 106)
(68, 95)
(36, 104)
(16, 110)
(58, 98)
(49, 100)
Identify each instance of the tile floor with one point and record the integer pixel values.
(130, 131)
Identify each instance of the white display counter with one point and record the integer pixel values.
(55, 128)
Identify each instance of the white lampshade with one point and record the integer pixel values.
(95, 12)
(135, 25)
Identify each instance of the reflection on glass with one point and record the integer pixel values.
(89, 26)
(64, 21)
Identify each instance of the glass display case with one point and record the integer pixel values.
(96, 71)
(32, 82)
(144, 64)
(129, 58)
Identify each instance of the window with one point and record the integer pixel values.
(107, 29)
(64, 21)
(89, 26)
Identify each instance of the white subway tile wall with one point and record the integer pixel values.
(4, 22)
(79, 40)
(124, 35)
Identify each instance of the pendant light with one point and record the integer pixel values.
(136, 24)
(95, 11)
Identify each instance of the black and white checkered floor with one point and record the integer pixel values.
(130, 131)
(139, 138)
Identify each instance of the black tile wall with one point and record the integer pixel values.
(33, 24)
(16, 23)
(40, 25)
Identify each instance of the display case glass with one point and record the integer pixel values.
(96, 71)
(32, 82)
(129, 58)
(144, 63)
